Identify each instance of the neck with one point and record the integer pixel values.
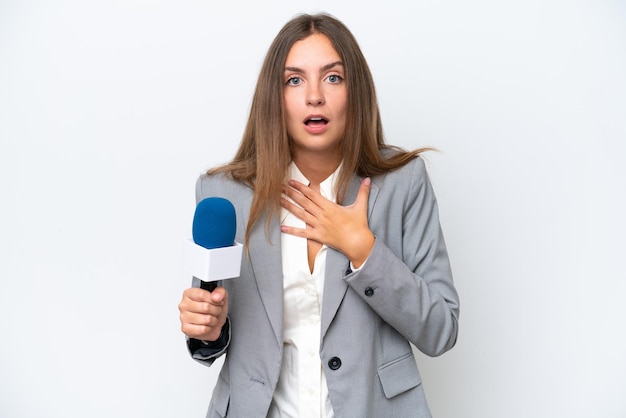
(317, 170)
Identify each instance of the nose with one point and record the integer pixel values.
(315, 95)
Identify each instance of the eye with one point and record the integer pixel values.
(334, 78)
(294, 81)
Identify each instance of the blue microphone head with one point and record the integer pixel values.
(214, 223)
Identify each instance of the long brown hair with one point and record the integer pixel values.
(265, 153)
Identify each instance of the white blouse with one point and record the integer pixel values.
(301, 391)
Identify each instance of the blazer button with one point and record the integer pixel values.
(369, 291)
(334, 363)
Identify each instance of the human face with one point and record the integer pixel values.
(315, 98)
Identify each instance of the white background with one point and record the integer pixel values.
(109, 110)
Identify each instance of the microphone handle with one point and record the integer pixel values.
(210, 286)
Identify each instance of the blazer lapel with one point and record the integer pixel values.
(337, 263)
(266, 262)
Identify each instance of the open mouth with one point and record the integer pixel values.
(315, 121)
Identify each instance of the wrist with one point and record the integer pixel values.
(363, 249)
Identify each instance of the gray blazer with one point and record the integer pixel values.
(403, 294)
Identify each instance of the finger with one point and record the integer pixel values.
(298, 198)
(197, 319)
(191, 307)
(306, 192)
(299, 212)
(292, 207)
(201, 332)
(363, 194)
(298, 232)
(197, 294)
(202, 307)
(215, 297)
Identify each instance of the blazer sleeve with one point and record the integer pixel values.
(407, 279)
(207, 353)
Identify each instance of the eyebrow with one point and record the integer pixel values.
(323, 68)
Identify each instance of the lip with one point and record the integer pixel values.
(316, 128)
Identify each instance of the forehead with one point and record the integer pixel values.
(315, 50)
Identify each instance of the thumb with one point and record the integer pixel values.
(219, 295)
(364, 192)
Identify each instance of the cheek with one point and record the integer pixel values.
(290, 108)
(342, 103)
(290, 116)
(343, 110)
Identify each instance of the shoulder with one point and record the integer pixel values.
(220, 184)
(406, 186)
(411, 172)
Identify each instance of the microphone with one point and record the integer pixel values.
(212, 254)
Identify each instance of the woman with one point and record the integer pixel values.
(346, 264)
